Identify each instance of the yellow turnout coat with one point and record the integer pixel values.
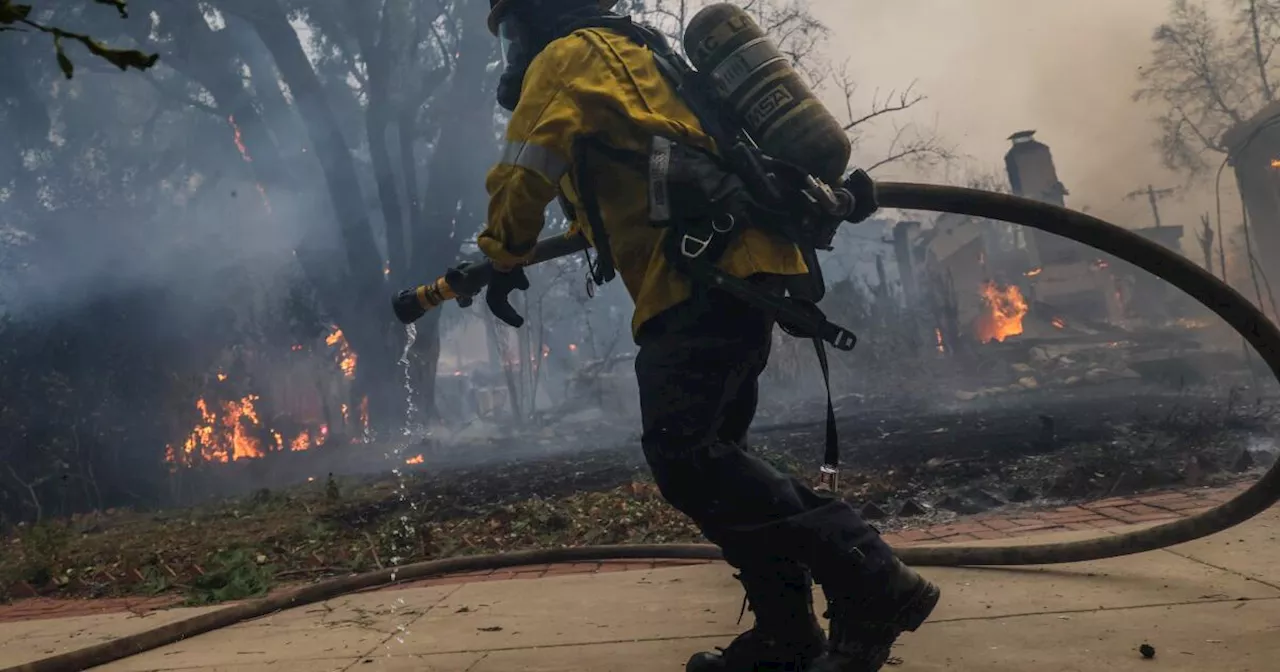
(597, 82)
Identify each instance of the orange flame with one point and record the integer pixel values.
(244, 151)
(221, 376)
(1005, 308)
(301, 442)
(1059, 323)
(416, 459)
(1034, 272)
(221, 435)
(1275, 163)
(346, 356)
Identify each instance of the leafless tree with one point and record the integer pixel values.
(1210, 72)
(803, 38)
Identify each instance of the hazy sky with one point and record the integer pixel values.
(1066, 68)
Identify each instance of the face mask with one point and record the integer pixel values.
(517, 53)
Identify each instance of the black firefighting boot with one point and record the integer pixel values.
(866, 619)
(786, 636)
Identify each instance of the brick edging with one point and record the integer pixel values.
(1102, 514)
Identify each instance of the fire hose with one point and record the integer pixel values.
(1175, 269)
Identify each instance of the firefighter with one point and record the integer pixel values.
(582, 90)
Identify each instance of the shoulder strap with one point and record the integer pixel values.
(686, 81)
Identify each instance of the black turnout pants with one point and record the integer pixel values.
(698, 367)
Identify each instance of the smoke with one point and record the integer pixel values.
(991, 68)
(195, 232)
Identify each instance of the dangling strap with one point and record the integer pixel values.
(829, 473)
(603, 270)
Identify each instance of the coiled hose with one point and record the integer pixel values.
(1175, 269)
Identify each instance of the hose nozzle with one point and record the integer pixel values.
(411, 304)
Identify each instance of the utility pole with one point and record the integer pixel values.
(1205, 238)
(1153, 196)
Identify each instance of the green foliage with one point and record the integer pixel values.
(154, 581)
(235, 574)
(13, 17)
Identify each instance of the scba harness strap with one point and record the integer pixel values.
(704, 204)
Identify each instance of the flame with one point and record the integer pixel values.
(301, 441)
(279, 439)
(221, 435)
(573, 347)
(344, 414)
(1005, 310)
(1034, 272)
(322, 435)
(364, 412)
(938, 332)
(386, 268)
(546, 351)
(416, 459)
(346, 356)
(1059, 322)
(221, 376)
(244, 151)
(1275, 163)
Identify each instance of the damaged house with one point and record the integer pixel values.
(984, 281)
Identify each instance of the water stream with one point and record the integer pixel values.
(402, 535)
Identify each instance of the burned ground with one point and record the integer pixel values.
(915, 464)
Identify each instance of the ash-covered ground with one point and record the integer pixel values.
(910, 462)
(583, 481)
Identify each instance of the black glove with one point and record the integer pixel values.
(863, 189)
(500, 287)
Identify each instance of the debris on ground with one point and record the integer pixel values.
(1147, 651)
(903, 471)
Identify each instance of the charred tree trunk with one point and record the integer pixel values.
(454, 201)
(361, 310)
(375, 41)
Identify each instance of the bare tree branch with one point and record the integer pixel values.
(894, 102)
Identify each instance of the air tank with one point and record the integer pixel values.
(764, 94)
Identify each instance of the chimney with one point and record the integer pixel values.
(1031, 170)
